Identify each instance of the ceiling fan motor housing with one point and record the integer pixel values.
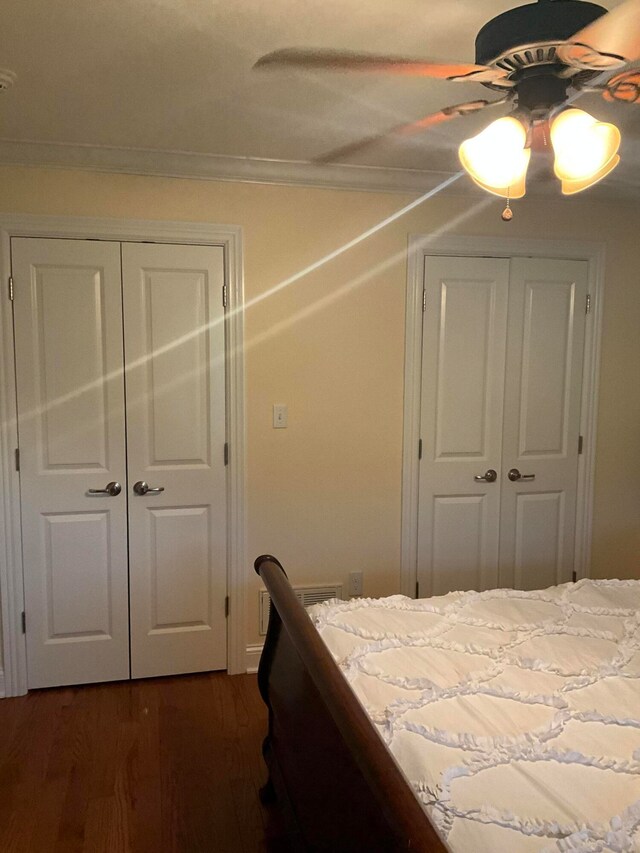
(532, 28)
(539, 91)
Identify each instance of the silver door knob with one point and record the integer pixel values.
(112, 490)
(142, 488)
(489, 476)
(514, 475)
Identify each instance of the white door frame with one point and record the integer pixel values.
(422, 246)
(11, 572)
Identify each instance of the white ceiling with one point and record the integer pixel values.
(176, 76)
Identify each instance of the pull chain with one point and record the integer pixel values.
(507, 213)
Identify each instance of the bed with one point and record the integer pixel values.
(473, 722)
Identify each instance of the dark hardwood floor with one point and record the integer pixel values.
(164, 765)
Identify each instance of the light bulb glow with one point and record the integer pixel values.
(496, 158)
(585, 149)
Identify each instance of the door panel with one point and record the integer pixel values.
(459, 562)
(542, 420)
(462, 382)
(461, 422)
(68, 327)
(174, 331)
(77, 569)
(70, 389)
(539, 546)
(178, 367)
(181, 541)
(545, 383)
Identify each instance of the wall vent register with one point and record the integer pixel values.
(306, 595)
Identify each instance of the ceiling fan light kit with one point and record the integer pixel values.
(583, 146)
(497, 158)
(541, 56)
(586, 150)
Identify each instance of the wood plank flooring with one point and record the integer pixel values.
(165, 765)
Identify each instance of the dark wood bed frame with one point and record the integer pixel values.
(329, 770)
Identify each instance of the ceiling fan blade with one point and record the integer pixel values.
(409, 129)
(609, 42)
(623, 87)
(336, 60)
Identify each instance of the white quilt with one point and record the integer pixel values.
(515, 715)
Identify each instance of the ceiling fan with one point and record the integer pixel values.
(539, 57)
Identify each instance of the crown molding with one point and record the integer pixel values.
(255, 170)
(216, 167)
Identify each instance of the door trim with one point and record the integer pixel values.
(129, 230)
(423, 245)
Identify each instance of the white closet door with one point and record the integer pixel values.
(68, 327)
(461, 422)
(175, 378)
(542, 421)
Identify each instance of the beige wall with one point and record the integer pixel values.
(324, 494)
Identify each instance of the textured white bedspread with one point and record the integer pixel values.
(515, 715)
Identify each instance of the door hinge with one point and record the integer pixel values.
(420, 449)
(11, 288)
(226, 606)
(23, 622)
(424, 300)
(588, 305)
(574, 576)
(224, 295)
(17, 458)
(417, 589)
(580, 444)
(226, 453)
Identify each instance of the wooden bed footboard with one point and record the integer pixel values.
(328, 766)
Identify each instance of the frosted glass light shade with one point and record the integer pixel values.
(515, 190)
(585, 149)
(571, 187)
(496, 158)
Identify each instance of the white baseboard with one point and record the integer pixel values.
(2, 693)
(252, 657)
